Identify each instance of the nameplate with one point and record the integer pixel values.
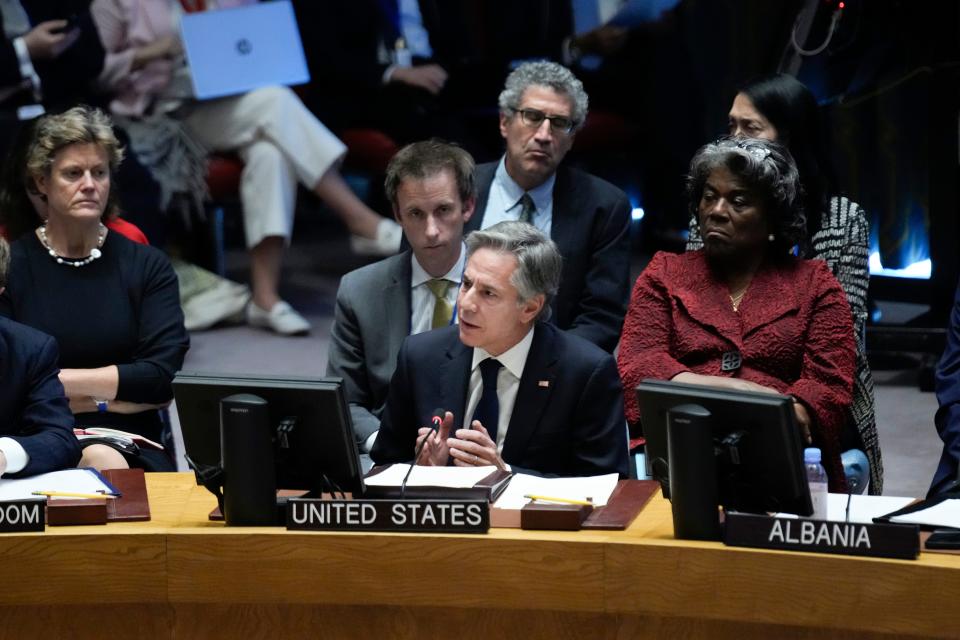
(22, 515)
(412, 516)
(801, 534)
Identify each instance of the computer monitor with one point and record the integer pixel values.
(753, 438)
(319, 447)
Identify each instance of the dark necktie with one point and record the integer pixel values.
(488, 409)
(527, 209)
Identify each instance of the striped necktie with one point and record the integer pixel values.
(527, 209)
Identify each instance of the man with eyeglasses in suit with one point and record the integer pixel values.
(542, 106)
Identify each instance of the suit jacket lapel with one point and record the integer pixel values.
(770, 297)
(565, 227)
(533, 396)
(483, 178)
(454, 376)
(396, 303)
(706, 299)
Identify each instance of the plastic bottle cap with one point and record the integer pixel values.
(812, 455)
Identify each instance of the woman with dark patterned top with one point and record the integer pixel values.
(781, 108)
(786, 317)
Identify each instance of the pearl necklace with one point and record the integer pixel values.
(94, 253)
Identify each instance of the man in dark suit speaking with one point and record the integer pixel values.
(518, 392)
(541, 108)
(36, 426)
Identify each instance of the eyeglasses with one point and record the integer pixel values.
(535, 118)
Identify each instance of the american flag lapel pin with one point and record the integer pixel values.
(544, 384)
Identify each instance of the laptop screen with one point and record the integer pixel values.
(233, 51)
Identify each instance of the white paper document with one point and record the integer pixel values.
(863, 509)
(68, 480)
(944, 514)
(596, 488)
(422, 476)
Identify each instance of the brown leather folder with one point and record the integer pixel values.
(80, 511)
(133, 504)
(625, 504)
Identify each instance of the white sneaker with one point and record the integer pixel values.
(282, 319)
(386, 243)
(221, 303)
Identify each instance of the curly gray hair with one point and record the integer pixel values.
(767, 169)
(545, 74)
(538, 259)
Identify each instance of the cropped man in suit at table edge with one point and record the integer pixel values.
(36, 426)
(520, 394)
(430, 186)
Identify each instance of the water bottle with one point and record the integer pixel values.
(817, 479)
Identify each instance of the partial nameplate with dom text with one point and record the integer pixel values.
(398, 516)
(23, 515)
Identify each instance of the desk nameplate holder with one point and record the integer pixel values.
(395, 516)
(23, 515)
(899, 541)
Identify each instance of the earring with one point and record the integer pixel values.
(771, 238)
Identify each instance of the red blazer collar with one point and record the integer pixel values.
(771, 295)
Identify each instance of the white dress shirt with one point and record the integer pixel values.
(17, 457)
(508, 383)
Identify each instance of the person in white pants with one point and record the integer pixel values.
(279, 140)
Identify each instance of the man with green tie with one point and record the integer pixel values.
(431, 189)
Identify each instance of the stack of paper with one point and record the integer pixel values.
(595, 488)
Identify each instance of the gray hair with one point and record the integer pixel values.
(538, 260)
(79, 125)
(545, 74)
(4, 261)
(421, 160)
(767, 169)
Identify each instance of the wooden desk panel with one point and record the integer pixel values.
(184, 576)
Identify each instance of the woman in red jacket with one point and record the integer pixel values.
(743, 312)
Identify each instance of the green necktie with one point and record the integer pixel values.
(527, 209)
(442, 311)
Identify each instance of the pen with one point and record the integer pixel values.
(586, 502)
(71, 494)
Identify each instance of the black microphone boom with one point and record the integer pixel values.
(435, 421)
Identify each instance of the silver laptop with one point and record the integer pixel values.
(233, 51)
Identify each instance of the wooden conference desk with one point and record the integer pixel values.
(182, 576)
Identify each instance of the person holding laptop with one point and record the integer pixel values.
(279, 140)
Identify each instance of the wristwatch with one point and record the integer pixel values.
(101, 405)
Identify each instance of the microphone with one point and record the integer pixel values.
(435, 421)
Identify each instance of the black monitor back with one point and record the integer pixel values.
(770, 474)
(321, 444)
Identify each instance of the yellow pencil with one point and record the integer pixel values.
(588, 503)
(70, 494)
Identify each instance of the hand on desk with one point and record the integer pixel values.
(474, 448)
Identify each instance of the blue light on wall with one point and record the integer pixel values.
(919, 270)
